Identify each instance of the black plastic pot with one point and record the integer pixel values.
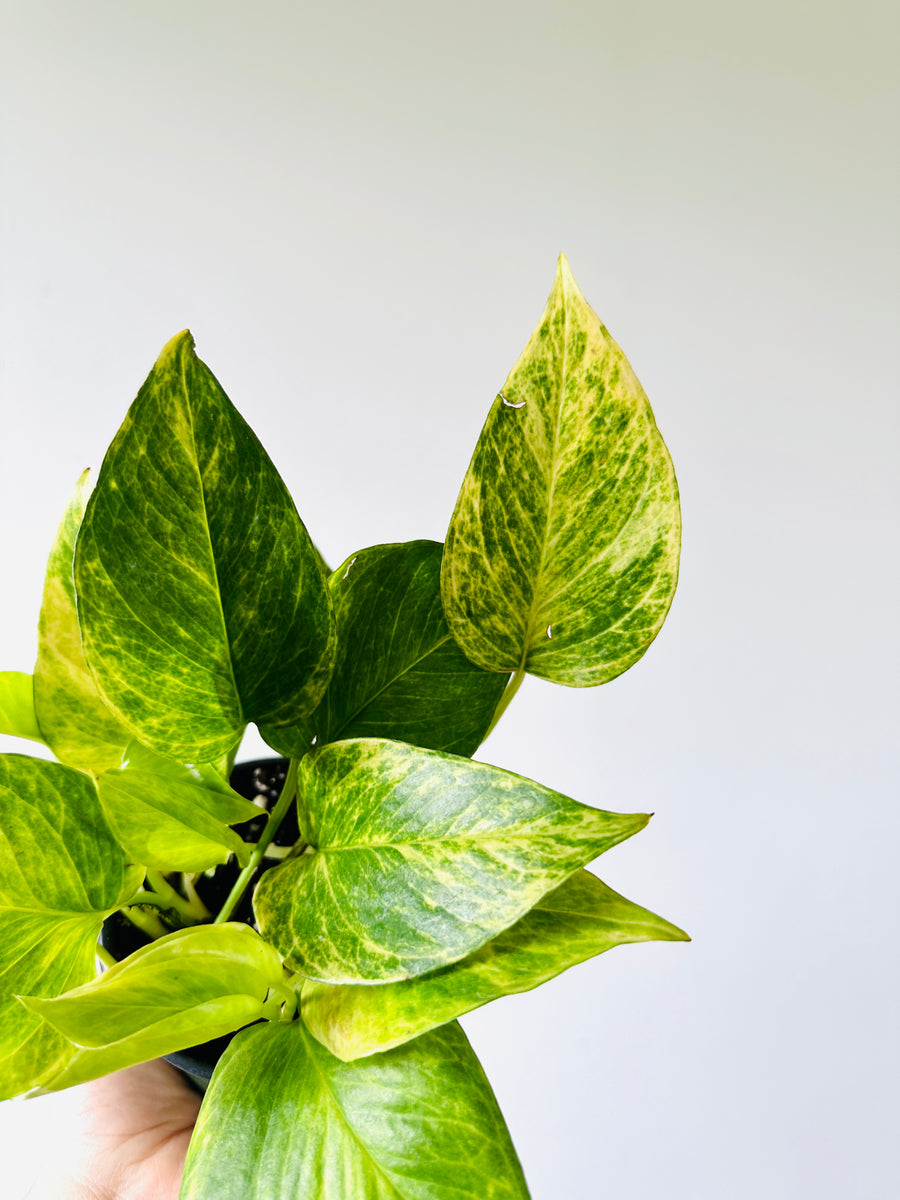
(261, 781)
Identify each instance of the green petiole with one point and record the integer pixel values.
(163, 895)
(281, 1004)
(104, 955)
(288, 792)
(147, 922)
(503, 703)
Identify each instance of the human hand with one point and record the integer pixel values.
(129, 1138)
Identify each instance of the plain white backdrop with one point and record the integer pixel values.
(357, 211)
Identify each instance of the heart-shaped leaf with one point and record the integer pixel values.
(576, 921)
(191, 986)
(61, 873)
(74, 719)
(201, 601)
(562, 554)
(420, 858)
(419, 1123)
(399, 674)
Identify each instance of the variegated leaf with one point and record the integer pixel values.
(418, 858)
(419, 1123)
(576, 921)
(61, 873)
(200, 597)
(74, 719)
(562, 554)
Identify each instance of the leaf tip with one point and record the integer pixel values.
(181, 345)
(32, 1003)
(564, 277)
(671, 933)
(565, 288)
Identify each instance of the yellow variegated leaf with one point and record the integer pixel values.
(562, 555)
(419, 859)
(73, 718)
(577, 920)
(201, 601)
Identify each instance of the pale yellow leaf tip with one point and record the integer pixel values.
(565, 280)
(564, 271)
(181, 344)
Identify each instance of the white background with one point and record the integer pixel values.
(357, 212)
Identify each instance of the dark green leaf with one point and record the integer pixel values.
(61, 873)
(577, 920)
(76, 723)
(17, 717)
(420, 858)
(399, 674)
(201, 600)
(186, 988)
(562, 554)
(418, 1123)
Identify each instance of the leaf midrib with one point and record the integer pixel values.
(503, 835)
(531, 625)
(389, 684)
(331, 1094)
(212, 555)
(607, 548)
(71, 913)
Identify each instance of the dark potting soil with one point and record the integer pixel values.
(260, 781)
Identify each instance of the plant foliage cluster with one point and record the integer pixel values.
(184, 599)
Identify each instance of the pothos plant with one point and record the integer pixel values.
(183, 600)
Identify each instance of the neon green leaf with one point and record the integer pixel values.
(171, 821)
(17, 717)
(61, 874)
(186, 988)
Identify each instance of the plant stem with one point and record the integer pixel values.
(192, 894)
(503, 703)
(281, 996)
(288, 792)
(148, 923)
(104, 955)
(193, 909)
